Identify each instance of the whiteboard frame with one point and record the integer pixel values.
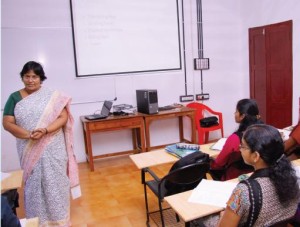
(177, 67)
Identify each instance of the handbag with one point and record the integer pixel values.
(209, 121)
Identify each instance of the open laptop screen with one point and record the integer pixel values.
(106, 108)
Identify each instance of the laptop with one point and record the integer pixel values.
(104, 112)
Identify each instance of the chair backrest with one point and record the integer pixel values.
(192, 158)
(200, 112)
(184, 178)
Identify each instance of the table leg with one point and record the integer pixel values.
(180, 119)
(88, 147)
(85, 143)
(135, 139)
(147, 134)
(187, 224)
(193, 128)
(142, 136)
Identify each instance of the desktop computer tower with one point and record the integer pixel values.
(147, 101)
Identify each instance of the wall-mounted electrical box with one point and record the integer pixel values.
(201, 63)
(202, 96)
(186, 98)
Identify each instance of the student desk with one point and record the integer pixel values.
(160, 156)
(133, 121)
(14, 181)
(174, 113)
(191, 211)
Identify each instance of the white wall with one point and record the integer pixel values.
(41, 31)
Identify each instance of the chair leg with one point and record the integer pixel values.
(146, 203)
(161, 212)
(222, 132)
(206, 137)
(177, 218)
(200, 138)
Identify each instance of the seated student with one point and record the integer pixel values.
(271, 194)
(229, 163)
(292, 144)
(292, 150)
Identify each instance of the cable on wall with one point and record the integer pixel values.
(186, 97)
(200, 63)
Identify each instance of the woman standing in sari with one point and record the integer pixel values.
(41, 121)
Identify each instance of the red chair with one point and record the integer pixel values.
(203, 133)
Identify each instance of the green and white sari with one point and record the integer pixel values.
(49, 165)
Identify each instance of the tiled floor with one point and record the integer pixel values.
(112, 195)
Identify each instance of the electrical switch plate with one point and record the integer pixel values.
(186, 98)
(202, 96)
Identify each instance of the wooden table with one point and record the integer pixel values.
(160, 156)
(133, 121)
(174, 113)
(190, 211)
(14, 181)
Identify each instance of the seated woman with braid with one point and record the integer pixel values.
(271, 194)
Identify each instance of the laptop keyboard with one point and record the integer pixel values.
(95, 117)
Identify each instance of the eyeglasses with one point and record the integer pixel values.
(243, 147)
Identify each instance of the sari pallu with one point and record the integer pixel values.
(48, 162)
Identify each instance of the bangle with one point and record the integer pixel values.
(29, 136)
(46, 130)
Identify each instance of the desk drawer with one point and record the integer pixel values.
(114, 124)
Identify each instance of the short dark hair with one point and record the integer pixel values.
(36, 67)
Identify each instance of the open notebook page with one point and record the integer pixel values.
(210, 192)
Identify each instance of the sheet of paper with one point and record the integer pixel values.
(212, 192)
(284, 134)
(219, 144)
(289, 128)
(23, 222)
(4, 175)
(297, 168)
(76, 192)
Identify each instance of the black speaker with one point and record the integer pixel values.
(147, 101)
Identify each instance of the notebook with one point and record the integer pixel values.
(104, 112)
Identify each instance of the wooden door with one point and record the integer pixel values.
(271, 79)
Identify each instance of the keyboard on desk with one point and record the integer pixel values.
(166, 108)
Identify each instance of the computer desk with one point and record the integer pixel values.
(179, 113)
(140, 125)
(132, 121)
(190, 211)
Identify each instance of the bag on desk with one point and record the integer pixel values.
(209, 121)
